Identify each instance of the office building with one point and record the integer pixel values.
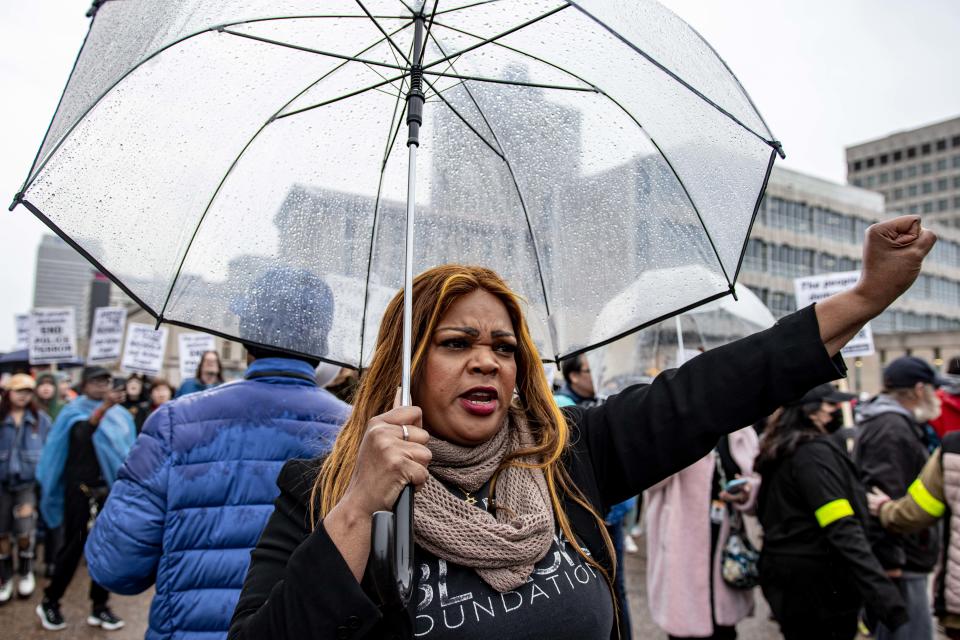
(918, 171)
(62, 279)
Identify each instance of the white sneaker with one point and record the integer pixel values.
(26, 585)
(629, 545)
(6, 591)
(105, 619)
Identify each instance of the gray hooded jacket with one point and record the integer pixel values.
(890, 453)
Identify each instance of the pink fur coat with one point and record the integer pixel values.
(678, 546)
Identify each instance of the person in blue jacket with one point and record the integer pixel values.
(78, 465)
(209, 375)
(197, 489)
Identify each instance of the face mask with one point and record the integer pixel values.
(836, 422)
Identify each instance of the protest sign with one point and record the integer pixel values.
(106, 338)
(53, 336)
(192, 346)
(815, 288)
(144, 349)
(22, 323)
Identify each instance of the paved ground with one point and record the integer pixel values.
(19, 622)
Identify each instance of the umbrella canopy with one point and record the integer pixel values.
(642, 355)
(571, 146)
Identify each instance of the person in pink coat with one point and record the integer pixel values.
(687, 522)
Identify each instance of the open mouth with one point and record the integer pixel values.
(480, 400)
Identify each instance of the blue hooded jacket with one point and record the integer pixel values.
(196, 491)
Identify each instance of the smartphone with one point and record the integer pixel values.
(735, 486)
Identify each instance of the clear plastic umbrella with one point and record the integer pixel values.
(571, 146)
(640, 356)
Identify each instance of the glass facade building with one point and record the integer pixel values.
(807, 226)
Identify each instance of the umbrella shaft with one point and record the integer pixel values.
(408, 276)
(414, 120)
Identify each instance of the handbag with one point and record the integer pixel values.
(739, 559)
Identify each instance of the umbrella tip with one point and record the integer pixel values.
(92, 11)
(733, 292)
(17, 199)
(778, 147)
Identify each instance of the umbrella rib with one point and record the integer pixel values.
(433, 16)
(635, 121)
(516, 185)
(466, 6)
(753, 218)
(437, 94)
(17, 198)
(328, 54)
(233, 164)
(376, 213)
(341, 97)
(486, 41)
(384, 32)
(772, 143)
(464, 120)
(83, 252)
(139, 64)
(536, 85)
(779, 147)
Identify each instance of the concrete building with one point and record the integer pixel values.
(918, 171)
(807, 226)
(63, 279)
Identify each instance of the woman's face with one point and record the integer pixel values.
(160, 394)
(20, 398)
(470, 371)
(823, 415)
(210, 368)
(45, 390)
(134, 386)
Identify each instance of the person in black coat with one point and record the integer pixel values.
(816, 567)
(510, 494)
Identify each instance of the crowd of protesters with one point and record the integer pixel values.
(178, 489)
(61, 447)
(827, 566)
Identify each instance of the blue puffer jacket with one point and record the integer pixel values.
(196, 491)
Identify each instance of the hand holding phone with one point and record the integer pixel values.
(735, 486)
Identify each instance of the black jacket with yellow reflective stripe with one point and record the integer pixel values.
(812, 505)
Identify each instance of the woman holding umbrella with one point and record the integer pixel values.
(510, 490)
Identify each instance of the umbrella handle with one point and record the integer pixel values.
(391, 551)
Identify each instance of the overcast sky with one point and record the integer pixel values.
(824, 74)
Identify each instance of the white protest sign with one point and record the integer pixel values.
(106, 339)
(144, 349)
(22, 323)
(53, 336)
(815, 288)
(192, 346)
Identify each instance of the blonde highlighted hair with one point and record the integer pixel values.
(434, 291)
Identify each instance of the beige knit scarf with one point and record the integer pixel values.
(503, 548)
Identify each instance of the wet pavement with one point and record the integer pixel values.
(18, 621)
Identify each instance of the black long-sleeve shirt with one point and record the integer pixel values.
(82, 466)
(299, 586)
